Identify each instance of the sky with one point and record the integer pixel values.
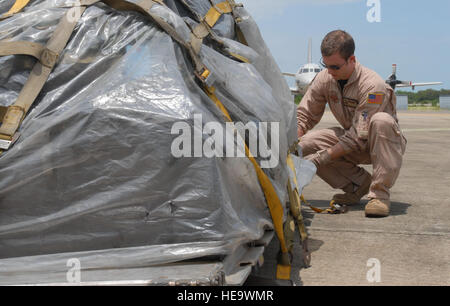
(414, 34)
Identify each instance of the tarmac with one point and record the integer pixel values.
(410, 247)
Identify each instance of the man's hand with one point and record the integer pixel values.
(320, 158)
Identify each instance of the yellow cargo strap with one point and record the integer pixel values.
(47, 56)
(216, 11)
(296, 202)
(296, 212)
(206, 23)
(17, 7)
(334, 208)
(239, 57)
(273, 202)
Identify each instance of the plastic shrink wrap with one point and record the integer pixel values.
(93, 174)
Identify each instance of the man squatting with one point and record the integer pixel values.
(365, 106)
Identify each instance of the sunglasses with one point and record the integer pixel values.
(332, 67)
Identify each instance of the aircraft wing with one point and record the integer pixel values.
(411, 84)
(294, 91)
(289, 74)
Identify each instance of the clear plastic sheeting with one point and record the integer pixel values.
(5, 5)
(304, 172)
(144, 265)
(93, 169)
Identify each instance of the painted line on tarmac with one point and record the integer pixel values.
(427, 130)
(374, 231)
(425, 114)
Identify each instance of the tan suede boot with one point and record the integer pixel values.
(353, 198)
(378, 208)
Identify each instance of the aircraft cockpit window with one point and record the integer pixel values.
(316, 70)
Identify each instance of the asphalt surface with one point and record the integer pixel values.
(410, 247)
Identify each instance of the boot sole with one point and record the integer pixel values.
(376, 214)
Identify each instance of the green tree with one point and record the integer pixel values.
(428, 96)
(298, 98)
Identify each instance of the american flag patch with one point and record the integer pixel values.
(375, 98)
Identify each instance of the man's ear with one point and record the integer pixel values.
(352, 59)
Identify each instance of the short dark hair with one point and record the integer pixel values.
(338, 41)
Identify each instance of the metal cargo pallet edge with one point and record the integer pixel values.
(230, 270)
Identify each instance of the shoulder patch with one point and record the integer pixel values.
(375, 98)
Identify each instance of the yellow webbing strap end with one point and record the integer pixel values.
(17, 7)
(334, 208)
(284, 267)
(317, 210)
(283, 272)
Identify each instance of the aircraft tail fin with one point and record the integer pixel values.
(310, 51)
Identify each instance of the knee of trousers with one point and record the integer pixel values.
(383, 123)
(386, 141)
(384, 126)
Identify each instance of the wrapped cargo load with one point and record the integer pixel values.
(93, 174)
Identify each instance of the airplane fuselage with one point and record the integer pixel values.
(305, 75)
